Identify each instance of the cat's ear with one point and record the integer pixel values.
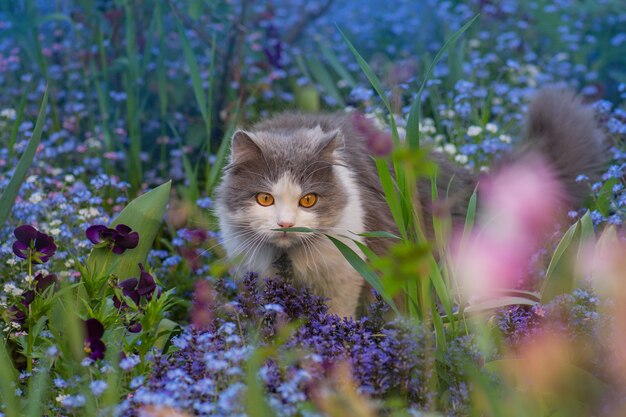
(243, 147)
(330, 142)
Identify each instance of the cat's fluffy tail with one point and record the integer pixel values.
(564, 130)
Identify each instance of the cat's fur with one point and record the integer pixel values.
(293, 154)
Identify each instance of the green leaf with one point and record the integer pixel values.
(10, 193)
(364, 269)
(8, 382)
(164, 331)
(38, 390)
(560, 276)
(378, 234)
(144, 215)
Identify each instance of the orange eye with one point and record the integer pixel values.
(264, 199)
(308, 200)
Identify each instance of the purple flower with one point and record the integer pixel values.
(32, 242)
(119, 239)
(42, 282)
(377, 142)
(134, 288)
(94, 346)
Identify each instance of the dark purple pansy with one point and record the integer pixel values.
(29, 240)
(42, 282)
(135, 327)
(94, 346)
(119, 239)
(146, 283)
(134, 288)
(125, 239)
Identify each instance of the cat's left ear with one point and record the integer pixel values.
(329, 143)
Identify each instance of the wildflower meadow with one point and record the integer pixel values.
(117, 299)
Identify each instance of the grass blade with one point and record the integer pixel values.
(364, 269)
(10, 193)
(412, 126)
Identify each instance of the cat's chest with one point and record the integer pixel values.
(321, 265)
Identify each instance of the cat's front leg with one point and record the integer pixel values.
(345, 295)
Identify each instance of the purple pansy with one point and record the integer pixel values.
(119, 239)
(42, 282)
(134, 288)
(29, 240)
(94, 346)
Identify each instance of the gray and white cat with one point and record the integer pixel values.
(314, 171)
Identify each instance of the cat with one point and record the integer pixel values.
(315, 171)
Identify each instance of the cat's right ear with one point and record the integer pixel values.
(243, 148)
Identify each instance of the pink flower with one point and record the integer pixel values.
(519, 203)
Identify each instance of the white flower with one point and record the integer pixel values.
(55, 232)
(69, 178)
(10, 288)
(447, 113)
(474, 43)
(61, 397)
(449, 148)
(11, 261)
(491, 127)
(505, 138)
(36, 198)
(474, 131)
(439, 138)
(31, 179)
(461, 159)
(9, 113)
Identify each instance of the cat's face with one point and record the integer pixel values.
(279, 181)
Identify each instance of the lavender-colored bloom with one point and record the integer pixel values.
(31, 241)
(98, 387)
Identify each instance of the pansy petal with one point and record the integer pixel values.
(93, 233)
(97, 348)
(123, 229)
(43, 241)
(25, 234)
(20, 249)
(129, 284)
(95, 329)
(43, 282)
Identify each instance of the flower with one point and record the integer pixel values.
(42, 282)
(378, 143)
(119, 239)
(94, 346)
(134, 289)
(32, 244)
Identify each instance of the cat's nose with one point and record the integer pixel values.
(285, 223)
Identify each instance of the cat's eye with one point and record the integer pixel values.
(264, 199)
(308, 200)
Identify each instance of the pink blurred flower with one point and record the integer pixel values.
(519, 203)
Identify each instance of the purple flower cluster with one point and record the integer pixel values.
(205, 375)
